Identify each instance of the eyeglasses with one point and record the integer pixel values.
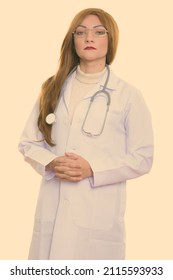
(81, 32)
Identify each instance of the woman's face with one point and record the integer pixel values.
(91, 47)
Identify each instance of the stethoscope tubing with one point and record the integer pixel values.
(50, 119)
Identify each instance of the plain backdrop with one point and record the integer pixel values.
(31, 36)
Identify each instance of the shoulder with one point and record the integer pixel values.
(118, 83)
(123, 88)
(127, 94)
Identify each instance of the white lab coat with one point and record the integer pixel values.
(85, 220)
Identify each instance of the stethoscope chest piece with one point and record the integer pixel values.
(50, 119)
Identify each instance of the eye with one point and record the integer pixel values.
(80, 32)
(100, 32)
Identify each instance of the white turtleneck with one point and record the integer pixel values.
(82, 84)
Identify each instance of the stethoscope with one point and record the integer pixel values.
(51, 118)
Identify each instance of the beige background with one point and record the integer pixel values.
(31, 35)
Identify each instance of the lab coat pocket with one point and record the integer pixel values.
(115, 118)
(97, 213)
(103, 212)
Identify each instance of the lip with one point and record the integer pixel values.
(89, 48)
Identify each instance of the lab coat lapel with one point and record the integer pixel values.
(66, 90)
(112, 82)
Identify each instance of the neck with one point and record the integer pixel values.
(92, 67)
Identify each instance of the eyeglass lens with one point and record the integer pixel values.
(97, 31)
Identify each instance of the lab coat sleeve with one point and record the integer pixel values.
(138, 156)
(35, 151)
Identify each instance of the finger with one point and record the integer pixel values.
(72, 155)
(68, 168)
(62, 171)
(60, 160)
(66, 177)
(68, 162)
(73, 165)
(72, 173)
(72, 179)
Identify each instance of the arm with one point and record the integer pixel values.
(139, 148)
(35, 151)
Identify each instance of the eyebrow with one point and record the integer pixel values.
(100, 25)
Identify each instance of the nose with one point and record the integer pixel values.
(89, 36)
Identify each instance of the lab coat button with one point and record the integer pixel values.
(66, 201)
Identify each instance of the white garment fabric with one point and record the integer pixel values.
(85, 220)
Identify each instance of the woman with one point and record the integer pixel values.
(86, 149)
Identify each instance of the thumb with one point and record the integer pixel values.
(72, 155)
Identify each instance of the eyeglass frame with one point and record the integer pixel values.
(90, 29)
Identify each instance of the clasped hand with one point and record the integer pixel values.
(70, 167)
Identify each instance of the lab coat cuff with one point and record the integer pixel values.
(99, 180)
(40, 163)
(41, 156)
(101, 174)
(49, 174)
